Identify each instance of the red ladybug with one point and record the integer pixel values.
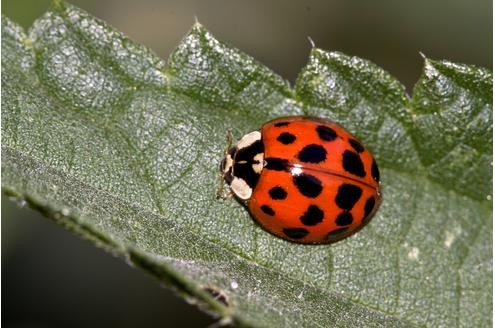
(304, 179)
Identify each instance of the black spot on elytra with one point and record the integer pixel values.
(356, 145)
(312, 216)
(368, 208)
(295, 233)
(277, 164)
(279, 124)
(308, 185)
(277, 193)
(267, 210)
(286, 138)
(344, 218)
(374, 172)
(312, 154)
(325, 133)
(347, 196)
(352, 163)
(336, 234)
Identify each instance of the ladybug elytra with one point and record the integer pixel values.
(304, 179)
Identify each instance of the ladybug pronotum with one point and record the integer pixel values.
(304, 179)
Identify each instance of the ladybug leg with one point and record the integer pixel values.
(224, 195)
(220, 190)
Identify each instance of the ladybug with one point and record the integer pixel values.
(304, 179)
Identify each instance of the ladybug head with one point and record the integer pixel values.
(242, 165)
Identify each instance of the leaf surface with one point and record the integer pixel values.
(122, 148)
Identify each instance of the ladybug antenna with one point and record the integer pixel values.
(229, 141)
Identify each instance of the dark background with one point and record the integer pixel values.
(51, 278)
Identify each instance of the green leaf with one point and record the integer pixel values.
(112, 143)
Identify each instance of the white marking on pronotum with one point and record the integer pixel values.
(248, 139)
(241, 188)
(258, 163)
